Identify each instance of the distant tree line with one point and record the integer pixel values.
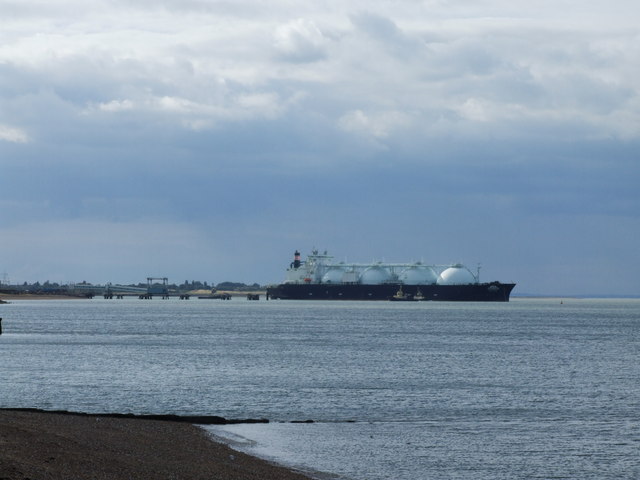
(36, 287)
(198, 285)
(235, 286)
(55, 288)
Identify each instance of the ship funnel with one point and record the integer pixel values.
(296, 259)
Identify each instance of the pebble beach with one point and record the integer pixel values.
(54, 446)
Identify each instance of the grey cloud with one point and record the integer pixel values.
(30, 10)
(377, 26)
(582, 92)
(387, 35)
(300, 41)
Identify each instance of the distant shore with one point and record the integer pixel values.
(37, 296)
(33, 296)
(57, 446)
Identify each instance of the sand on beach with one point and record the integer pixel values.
(43, 445)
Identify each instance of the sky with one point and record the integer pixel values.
(208, 140)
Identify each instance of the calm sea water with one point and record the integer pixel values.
(526, 389)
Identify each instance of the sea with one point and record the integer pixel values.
(530, 389)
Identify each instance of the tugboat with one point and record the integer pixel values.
(403, 297)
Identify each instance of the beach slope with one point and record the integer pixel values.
(42, 445)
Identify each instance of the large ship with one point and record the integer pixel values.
(320, 277)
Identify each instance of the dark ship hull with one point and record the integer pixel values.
(476, 292)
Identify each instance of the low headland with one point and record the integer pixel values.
(64, 445)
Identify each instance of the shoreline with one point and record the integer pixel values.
(47, 296)
(34, 296)
(63, 445)
(193, 419)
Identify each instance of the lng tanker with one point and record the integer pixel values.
(319, 277)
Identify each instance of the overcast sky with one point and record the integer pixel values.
(207, 140)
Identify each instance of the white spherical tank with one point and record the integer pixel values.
(456, 275)
(375, 276)
(418, 276)
(333, 276)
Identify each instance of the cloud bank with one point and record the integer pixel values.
(270, 127)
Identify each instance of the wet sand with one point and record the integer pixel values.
(52, 446)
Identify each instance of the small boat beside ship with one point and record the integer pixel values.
(320, 277)
(400, 296)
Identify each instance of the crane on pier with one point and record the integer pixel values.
(156, 288)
